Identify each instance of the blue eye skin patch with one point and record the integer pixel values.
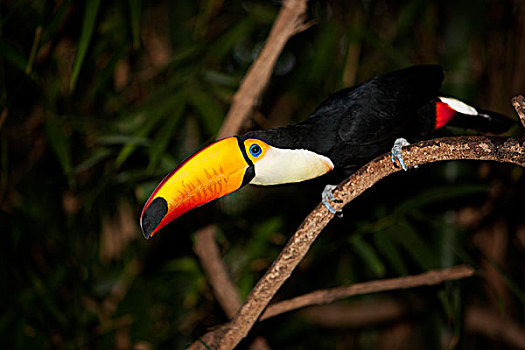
(255, 150)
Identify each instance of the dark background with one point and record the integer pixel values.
(100, 99)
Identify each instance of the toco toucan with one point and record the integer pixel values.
(347, 130)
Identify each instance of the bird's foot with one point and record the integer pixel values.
(327, 196)
(396, 152)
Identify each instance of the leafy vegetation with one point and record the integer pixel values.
(100, 99)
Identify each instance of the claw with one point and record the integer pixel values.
(328, 195)
(396, 152)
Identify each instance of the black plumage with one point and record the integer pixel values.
(350, 128)
(357, 124)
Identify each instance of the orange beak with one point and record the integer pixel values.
(213, 172)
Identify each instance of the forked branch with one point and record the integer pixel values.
(500, 149)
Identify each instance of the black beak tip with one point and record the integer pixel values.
(153, 215)
(145, 233)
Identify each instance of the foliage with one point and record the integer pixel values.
(100, 99)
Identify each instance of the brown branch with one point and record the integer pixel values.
(501, 149)
(326, 296)
(510, 150)
(216, 274)
(290, 21)
(495, 326)
(360, 313)
(208, 340)
(518, 102)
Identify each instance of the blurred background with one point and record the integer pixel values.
(100, 99)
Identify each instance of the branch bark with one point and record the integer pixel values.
(518, 102)
(216, 273)
(495, 326)
(289, 22)
(361, 314)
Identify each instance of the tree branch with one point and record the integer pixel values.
(289, 22)
(494, 325)
(501, 149)
(518, 102)
(326, 296)
(364, 313)
(216, 273)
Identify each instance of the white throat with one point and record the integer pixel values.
(280, 166)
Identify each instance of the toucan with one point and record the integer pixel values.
(348, 129)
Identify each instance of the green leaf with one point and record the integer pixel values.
(60, 144)
(438, 194)
(225, 44)
(450, 298)
(327, 43)
(123, 139)
(34, 50)
(185, 264)
(47, 302)
(4, 161)
(88, 26)
(143, 190)
(97, 156)
(369, 256)
(387, 247)
(106, 75)
(165, 134)
(405, 235)
(211, 112)
(13, 56)
(219, 78)
(134, 14)
(513, 286)
(54, 25)
(152, 117)
(259, 245)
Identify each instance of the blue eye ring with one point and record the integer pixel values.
(255, 150)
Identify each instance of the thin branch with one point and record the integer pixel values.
(501, 149)
(360, 313)
(494, 325)
(518, 102)
(326, 296)
(289, 22)
(216, 273)
(223, 287)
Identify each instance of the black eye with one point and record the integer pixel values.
(255, 150)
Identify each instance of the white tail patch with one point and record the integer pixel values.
(459, 106)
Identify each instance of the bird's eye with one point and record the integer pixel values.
(255, 150)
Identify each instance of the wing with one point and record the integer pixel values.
(375, 110)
